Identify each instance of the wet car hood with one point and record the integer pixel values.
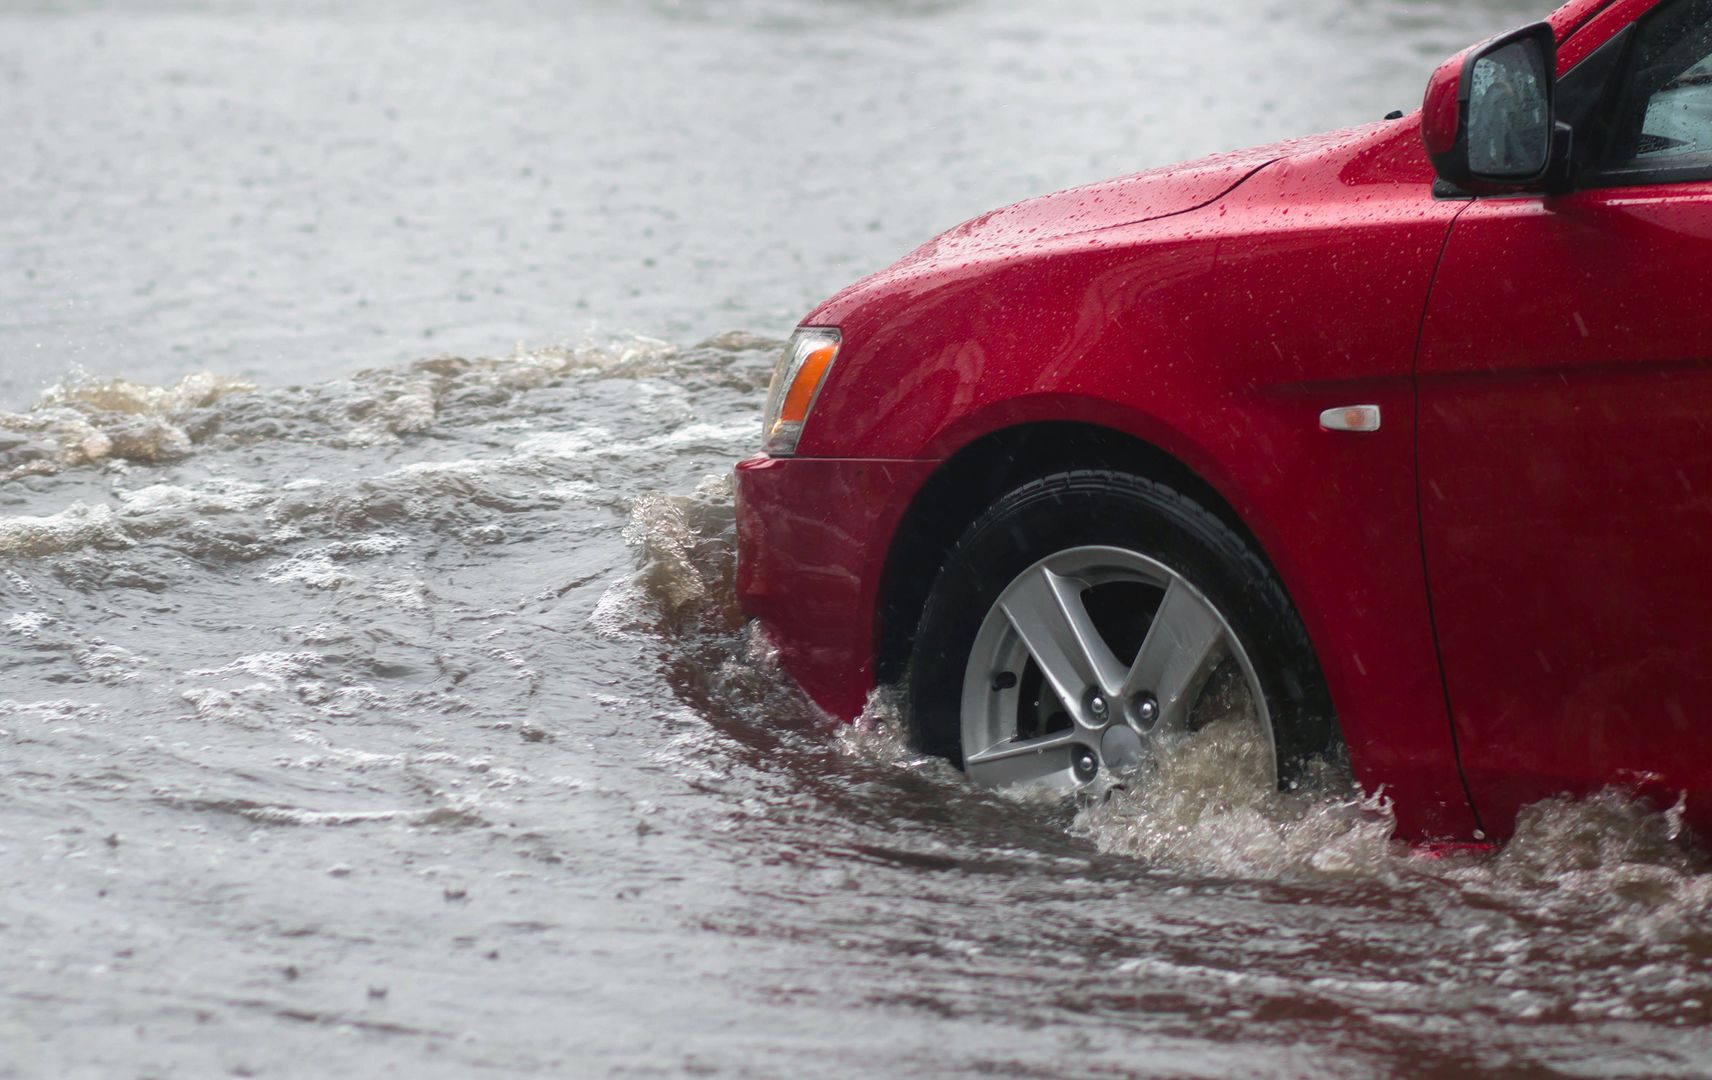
(1126, 200)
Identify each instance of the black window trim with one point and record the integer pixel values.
(1603, 104)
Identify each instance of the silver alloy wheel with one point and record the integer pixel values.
(1047, 701)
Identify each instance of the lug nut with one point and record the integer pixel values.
(1146, 710)
(1097, 705)
(1084, 764)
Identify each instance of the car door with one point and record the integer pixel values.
(1565, 453)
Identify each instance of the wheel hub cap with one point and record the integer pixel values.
(1121, 748)
(1052, 696)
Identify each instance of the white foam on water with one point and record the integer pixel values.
(619, 613)
(139, 513)
(213, 496)
(194, 391)
(685, 565)
(28, 623)
(295, 815)
(407, 406)
(1610, 857)
(327, 566)
(277, 668)
(88, 421)
(91, 421)
(59, 712)
(879, 735)
(79, 525)
(1207, 803)
(551, 445)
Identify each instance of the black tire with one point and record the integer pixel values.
(1100, 507)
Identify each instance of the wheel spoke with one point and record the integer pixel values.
(1031, 761)
(1046, 611)
(1182, 646)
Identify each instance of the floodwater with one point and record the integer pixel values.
(374, 700)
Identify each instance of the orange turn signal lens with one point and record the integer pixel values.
(801, 394)
(797, 379)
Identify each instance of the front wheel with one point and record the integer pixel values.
(1088, 619)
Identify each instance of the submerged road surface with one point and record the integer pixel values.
(378, 705)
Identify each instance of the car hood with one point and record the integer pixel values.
(1039, 223)
(1127, 200)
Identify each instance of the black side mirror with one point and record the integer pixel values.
(1488, 118)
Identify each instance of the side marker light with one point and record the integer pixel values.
(1350, 418)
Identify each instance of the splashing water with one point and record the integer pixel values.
(1206, 804)
(428, 685)
(402, 720)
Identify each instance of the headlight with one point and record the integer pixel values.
(797, 378)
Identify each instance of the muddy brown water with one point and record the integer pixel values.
(373, 699)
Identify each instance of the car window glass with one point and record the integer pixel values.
(1666, 112)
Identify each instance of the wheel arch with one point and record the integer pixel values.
(972, 478)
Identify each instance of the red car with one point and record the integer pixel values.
(1406, 430)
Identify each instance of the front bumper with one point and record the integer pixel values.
(813, 535)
